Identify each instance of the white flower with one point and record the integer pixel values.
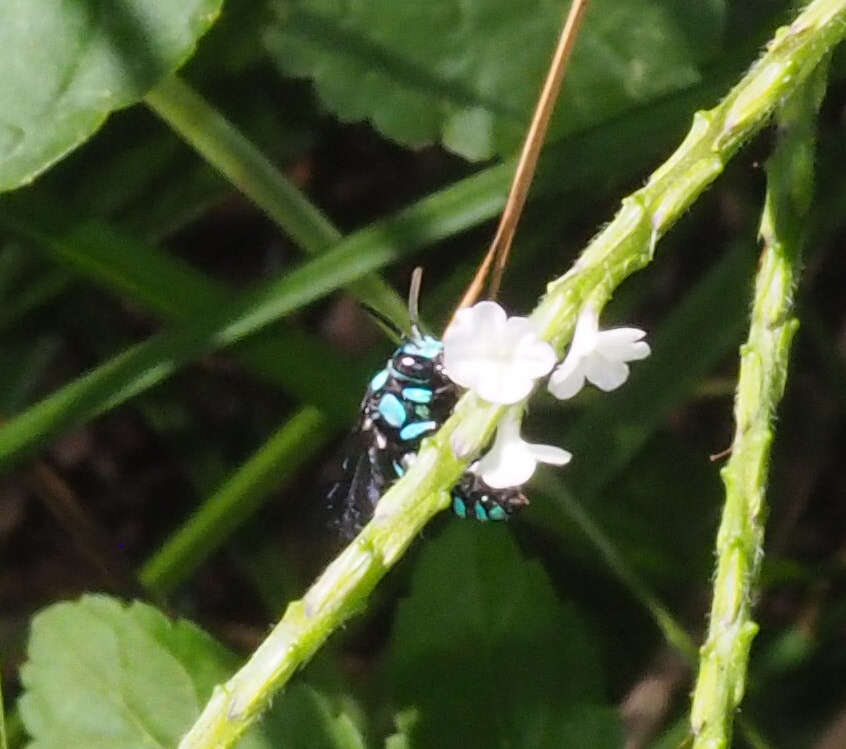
(511, 461)
(497, 357)
(599, 356)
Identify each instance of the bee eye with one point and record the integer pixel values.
(414, 367)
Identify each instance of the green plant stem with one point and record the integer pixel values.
(236, 500)
(763, 370)
(225, 148)
(624, 246)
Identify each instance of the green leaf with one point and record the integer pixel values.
(305, 719)
(467, 73)
(102, 674)
(129, 679)
(67, 65)
(489, 655)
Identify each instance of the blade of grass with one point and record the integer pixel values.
(283, 356)
(631, 139)
(237, 499)
(224, 147)
(673, 632)
(148, 363)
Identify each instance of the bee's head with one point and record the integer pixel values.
(419, 359)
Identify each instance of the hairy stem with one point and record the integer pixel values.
(763, 370)
(624, 246)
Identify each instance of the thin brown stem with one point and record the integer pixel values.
(497, 256)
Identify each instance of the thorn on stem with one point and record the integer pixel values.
(720, 455)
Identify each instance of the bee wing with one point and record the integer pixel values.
(367, 472)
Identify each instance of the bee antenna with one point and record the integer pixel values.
(413, 300)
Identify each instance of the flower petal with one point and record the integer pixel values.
(469, 321)
(511, 461)
(511, 465)
(550, 454)
(639, 350)
(533, 357)
(499, 385)
(466, 371)
(600, 356)
(568, 379)
(606, 374)
(623, 344)
(496, 356)
(585, 333)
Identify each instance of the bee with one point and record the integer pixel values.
(406, 401)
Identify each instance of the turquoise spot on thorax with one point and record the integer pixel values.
(416, 428)
(427, 347)
(496, 513)
(378, 380)
(422, 411)
(417, 395)
(400, 471)
(458, 506)
(481, 513)
(392, 410)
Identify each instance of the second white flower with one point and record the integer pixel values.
(598, 356)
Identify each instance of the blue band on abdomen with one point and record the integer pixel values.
(417, 428)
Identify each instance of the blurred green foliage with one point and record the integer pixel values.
(519, 636)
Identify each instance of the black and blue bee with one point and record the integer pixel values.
(405, 402)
